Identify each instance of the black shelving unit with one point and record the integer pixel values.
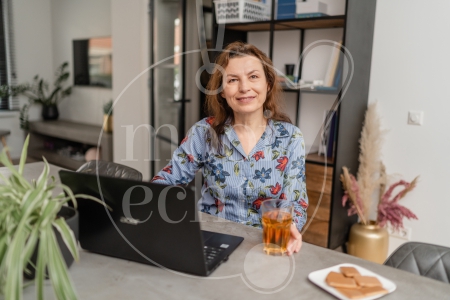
(234, 31)
(358, 25)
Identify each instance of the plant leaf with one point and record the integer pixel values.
(23, 156)
(14, 280)
(53, 94)
(62, 286)
(41, 183)
(14, 174)
(93, 199)
(68, 236)
(41, 262)
(30, 245)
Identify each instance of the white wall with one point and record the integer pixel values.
(130, 33)
(33, 41)
(410, 71)
(72, 20)
(44, 30)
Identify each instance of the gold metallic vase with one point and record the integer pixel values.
(107, 123)
(369, 242)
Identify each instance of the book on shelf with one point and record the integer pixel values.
(310, 15)
(333, 77)
(332, 135)
(333, 65)
(328, 134)
(324, 134)
(338, 74)
(326, 88)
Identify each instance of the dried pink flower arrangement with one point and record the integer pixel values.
(351, 188)
(390, 211)
(372, 175)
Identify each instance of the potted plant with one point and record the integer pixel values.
(108, 116)
(30, 222)
(369, 239)
(39, 93)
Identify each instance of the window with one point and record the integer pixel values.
(7, 62)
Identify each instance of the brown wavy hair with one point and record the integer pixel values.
(218, 107)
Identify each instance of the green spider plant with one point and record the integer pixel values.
(28, 214)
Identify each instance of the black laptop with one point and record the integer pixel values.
(149, 223)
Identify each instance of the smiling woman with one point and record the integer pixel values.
(245, 87)
(247, 149)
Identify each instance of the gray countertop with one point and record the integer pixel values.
(248, 274)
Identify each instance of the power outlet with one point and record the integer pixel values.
(403, 233)
(415, 117)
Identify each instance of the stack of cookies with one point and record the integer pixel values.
(353, 285)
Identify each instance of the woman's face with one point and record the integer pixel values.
(245, 86)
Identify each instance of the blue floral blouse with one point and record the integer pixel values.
(235, 184)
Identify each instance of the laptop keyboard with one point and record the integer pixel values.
(211, 253)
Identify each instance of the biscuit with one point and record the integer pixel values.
(349, 271)
(335, 279)
(367, 281)
(351, 293)
(333, 275)
(372, 291)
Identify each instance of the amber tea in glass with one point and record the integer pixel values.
(276, 223)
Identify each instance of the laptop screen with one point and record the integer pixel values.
(149, 223)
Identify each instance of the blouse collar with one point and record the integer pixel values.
(274, 129)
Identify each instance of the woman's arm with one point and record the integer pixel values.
(294, 185)
(186, 159)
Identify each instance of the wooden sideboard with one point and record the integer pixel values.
(47, 138)
(318, 185)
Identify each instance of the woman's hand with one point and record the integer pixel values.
(295, 242)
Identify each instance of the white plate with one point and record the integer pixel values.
(318, 278)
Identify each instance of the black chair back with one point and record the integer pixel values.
(423, 259)
(110, 169)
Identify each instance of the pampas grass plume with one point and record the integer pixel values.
(369, 157)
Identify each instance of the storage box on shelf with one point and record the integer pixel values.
(234, 11)
(291, 9)
(310, 9)
(46, 138)
(285, 9)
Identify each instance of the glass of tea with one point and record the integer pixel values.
(276, 222)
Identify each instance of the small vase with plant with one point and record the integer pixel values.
(39, 93)
(108, 116)
(369, 238)
(30, 223)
